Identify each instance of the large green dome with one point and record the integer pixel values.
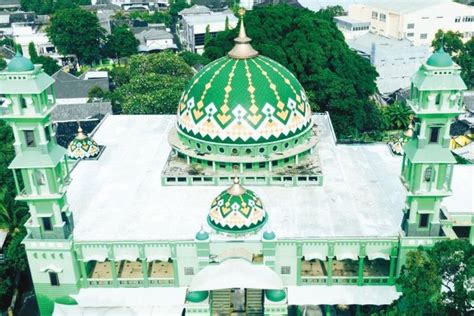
(20, 64)
(243, 98)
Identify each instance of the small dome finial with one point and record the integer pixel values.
(242, 48)
(80, 132)
(236, 188)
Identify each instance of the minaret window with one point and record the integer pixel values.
(428, 174)
(39, 178)
(434, 134)
(30, 138)
(22, 102)
(47, 133)
(438, 99)
(53, 279)
(424, 220)
(47, 223)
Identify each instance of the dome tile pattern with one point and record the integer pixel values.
(247, 101)
(82, 146)
(236, 210)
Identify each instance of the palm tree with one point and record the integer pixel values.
(12, 215)
(400, 115)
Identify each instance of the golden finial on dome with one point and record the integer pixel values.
(236, 188)
(80, 132)
(242, 48)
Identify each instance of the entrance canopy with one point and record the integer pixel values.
(236, 273)
(342, 294)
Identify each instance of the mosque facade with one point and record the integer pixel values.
(242, 204)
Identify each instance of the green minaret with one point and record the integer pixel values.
(41, 177)
(436, 99)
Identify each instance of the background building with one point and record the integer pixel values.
(417, 21)
(195, 21)
(395, 60)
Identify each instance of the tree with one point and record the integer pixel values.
(226, 27)
(3, 63)
(12, 216)
(438, 281)
(451, 42)
(193, 59)
(399, 115)
(95, 94)
(50, 66)
(156, 84)
(332, 11)
(420, 284)
(48, 6)
(32, 51)
(76, 31)
(311, 47)
(462, 53)
(121, 43)
(207, 35)
(454, 260)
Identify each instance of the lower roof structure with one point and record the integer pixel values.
(121, 194)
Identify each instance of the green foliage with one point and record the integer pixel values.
(156, 17)
(310, 46)
(7, 41)
(420, 284)
(207, 35)
(193, 59)
(438, 281)
(18, 48)
(32, 51)
(12, 218)
(398, 115)
(226, 27)
(50, 6)
(3, 63)
(76, 31)
(50, 66)
(155, 85)
(95, 94)
(462, 53)
(121, 43)
(454, 260)
(331, 11)
(451, 41)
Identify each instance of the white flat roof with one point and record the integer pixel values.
(120, 196)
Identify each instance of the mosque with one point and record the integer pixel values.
(242, 204)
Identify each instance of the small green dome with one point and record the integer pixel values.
(202, 235)
(269, 235)
(65, 300)
(197, 296)
(440, 59)
(275, 295)
(237, 210)
(20, 64)
(82, 146)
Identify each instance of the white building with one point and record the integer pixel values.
(351, 28)
(395, 60)
(417, 21)
(23, 33)
(154, 39)
(194, 22)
